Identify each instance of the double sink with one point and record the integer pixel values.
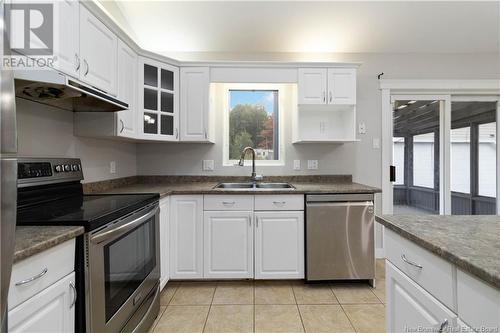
(254, 186)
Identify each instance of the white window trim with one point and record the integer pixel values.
(225, 136)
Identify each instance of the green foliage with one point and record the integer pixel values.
(246, 123)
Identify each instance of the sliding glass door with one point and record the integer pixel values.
(473, 158)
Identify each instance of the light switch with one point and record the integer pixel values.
(376, 143)
(112, 167)
(296, 164)
(208, 165)
(312, 164)
(362, 128)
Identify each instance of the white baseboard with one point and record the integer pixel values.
(379, 253)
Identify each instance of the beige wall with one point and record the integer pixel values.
(48, 132)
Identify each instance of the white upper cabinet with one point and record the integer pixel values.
(279, 245)
(67, 37)
(312, 85)
(127, 90)
(327, 86)
(341, 86)
(194, 104)
(186, 237)
(98, 53)
(228, 244)
(158, 100)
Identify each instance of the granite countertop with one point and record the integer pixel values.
(33, 240)
(205, 185)
(472, 243)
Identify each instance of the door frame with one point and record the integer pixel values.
(446, 91)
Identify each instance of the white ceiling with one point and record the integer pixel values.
(287, 26)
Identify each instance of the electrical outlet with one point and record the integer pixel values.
(208, 165)
(112, 167)
(376, 143)
(362, 128)
(296, 164)
(312, 164)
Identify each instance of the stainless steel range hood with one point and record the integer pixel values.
(53, 88)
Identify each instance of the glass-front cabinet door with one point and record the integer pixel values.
(158, 97)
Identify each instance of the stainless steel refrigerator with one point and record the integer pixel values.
(8, 171)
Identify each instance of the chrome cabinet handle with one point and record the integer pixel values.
(75, 295)
(228, 202)
(77, 58)
(250, 220)
(443, 325)
(176, 133)
(324, 96)
(123, 126)
(256, 222)
(206, 135)
(33, 278)
(410, 262)
(86, 66)
(330, 93)
(279, 202)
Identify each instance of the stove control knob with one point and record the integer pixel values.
(67, 168)
(75, 167)
(59, 168)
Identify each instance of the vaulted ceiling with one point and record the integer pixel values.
(294, 26)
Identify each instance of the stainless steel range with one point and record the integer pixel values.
(117, 259)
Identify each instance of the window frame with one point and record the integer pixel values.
(254, 86)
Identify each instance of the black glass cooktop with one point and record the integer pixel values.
(89, 211)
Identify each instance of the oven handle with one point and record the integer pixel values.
(99, 238)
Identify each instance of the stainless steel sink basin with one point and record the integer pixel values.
(252, 186)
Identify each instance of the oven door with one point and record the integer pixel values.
(122, 270)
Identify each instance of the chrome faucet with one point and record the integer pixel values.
(254, 177)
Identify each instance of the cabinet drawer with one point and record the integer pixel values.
(34, 274)
(478, 302)
(279, 202)
(228, 202)
(434, 274)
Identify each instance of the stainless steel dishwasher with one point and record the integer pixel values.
(340, 237)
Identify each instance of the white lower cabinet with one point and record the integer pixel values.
(228, 244)
(51, 310)
(412, 309)
(279, 245)
(186, 237)
(164, 241)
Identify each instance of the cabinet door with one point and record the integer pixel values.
(341, 86)
(312, 85)
(279, 245)
(158, 100)
(228, 244)
(409, 307)
(186, 237)
(67, 37)
(127, 90)
(51, 310)
(98, 53)
(164, 241)
(194, 103)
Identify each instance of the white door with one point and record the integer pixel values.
(127, 90)
(194, 103)
(67, 37)
(51, 310)
(312, 85)
(186, 237)
(409, 307)
(279, 245)
(98, 53)
(228, 244)
(164, 241)
(341, 86)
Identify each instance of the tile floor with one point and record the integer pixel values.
(272, 307)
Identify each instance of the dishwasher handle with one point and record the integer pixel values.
(341, 204)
